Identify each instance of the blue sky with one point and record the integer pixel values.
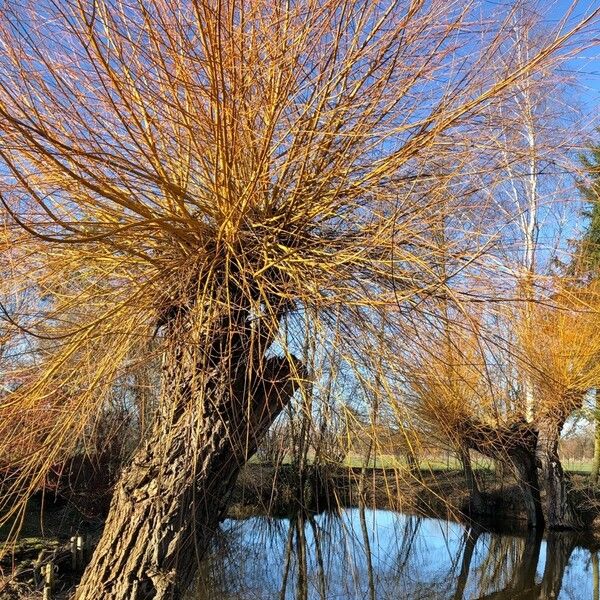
(587, 65)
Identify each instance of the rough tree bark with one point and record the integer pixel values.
(168, 502)
(531, 452)
(515, 446)
(522, 464)
(476, 504)
(559, 511)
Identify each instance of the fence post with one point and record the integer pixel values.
(73, 548)
(80, 552)
(48, 573)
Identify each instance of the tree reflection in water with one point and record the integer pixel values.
(362, 554)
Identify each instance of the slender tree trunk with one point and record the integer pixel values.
(168, 502)
(475, 499)
(596, 462)
(413, 462)
(500, 473)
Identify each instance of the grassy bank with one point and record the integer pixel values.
(438, 490)
(444, 463)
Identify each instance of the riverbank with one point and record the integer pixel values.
(263, 489)
(283, 491)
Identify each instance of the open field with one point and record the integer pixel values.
(450, 463)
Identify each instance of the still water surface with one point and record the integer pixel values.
(381, 555)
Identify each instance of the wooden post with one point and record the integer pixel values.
(73, 548)
(38, 570)
(80, 552)
(48, 573)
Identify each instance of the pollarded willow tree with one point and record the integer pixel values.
(473, 377)
(196, 173)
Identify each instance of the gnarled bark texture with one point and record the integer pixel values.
(168, 502)
(531, 452)
(514, 445)
(558, 508)
(522, 465)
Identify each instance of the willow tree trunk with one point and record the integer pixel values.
(168, 502)
(476, 504)
(413, 463)
(514, 445)
(522, 464)
(559, 511)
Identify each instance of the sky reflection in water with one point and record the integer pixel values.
(411, 558)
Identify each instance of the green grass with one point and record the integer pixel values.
(452, 463)
(389, 461)
(577, 466)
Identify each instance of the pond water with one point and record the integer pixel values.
(380, 555)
